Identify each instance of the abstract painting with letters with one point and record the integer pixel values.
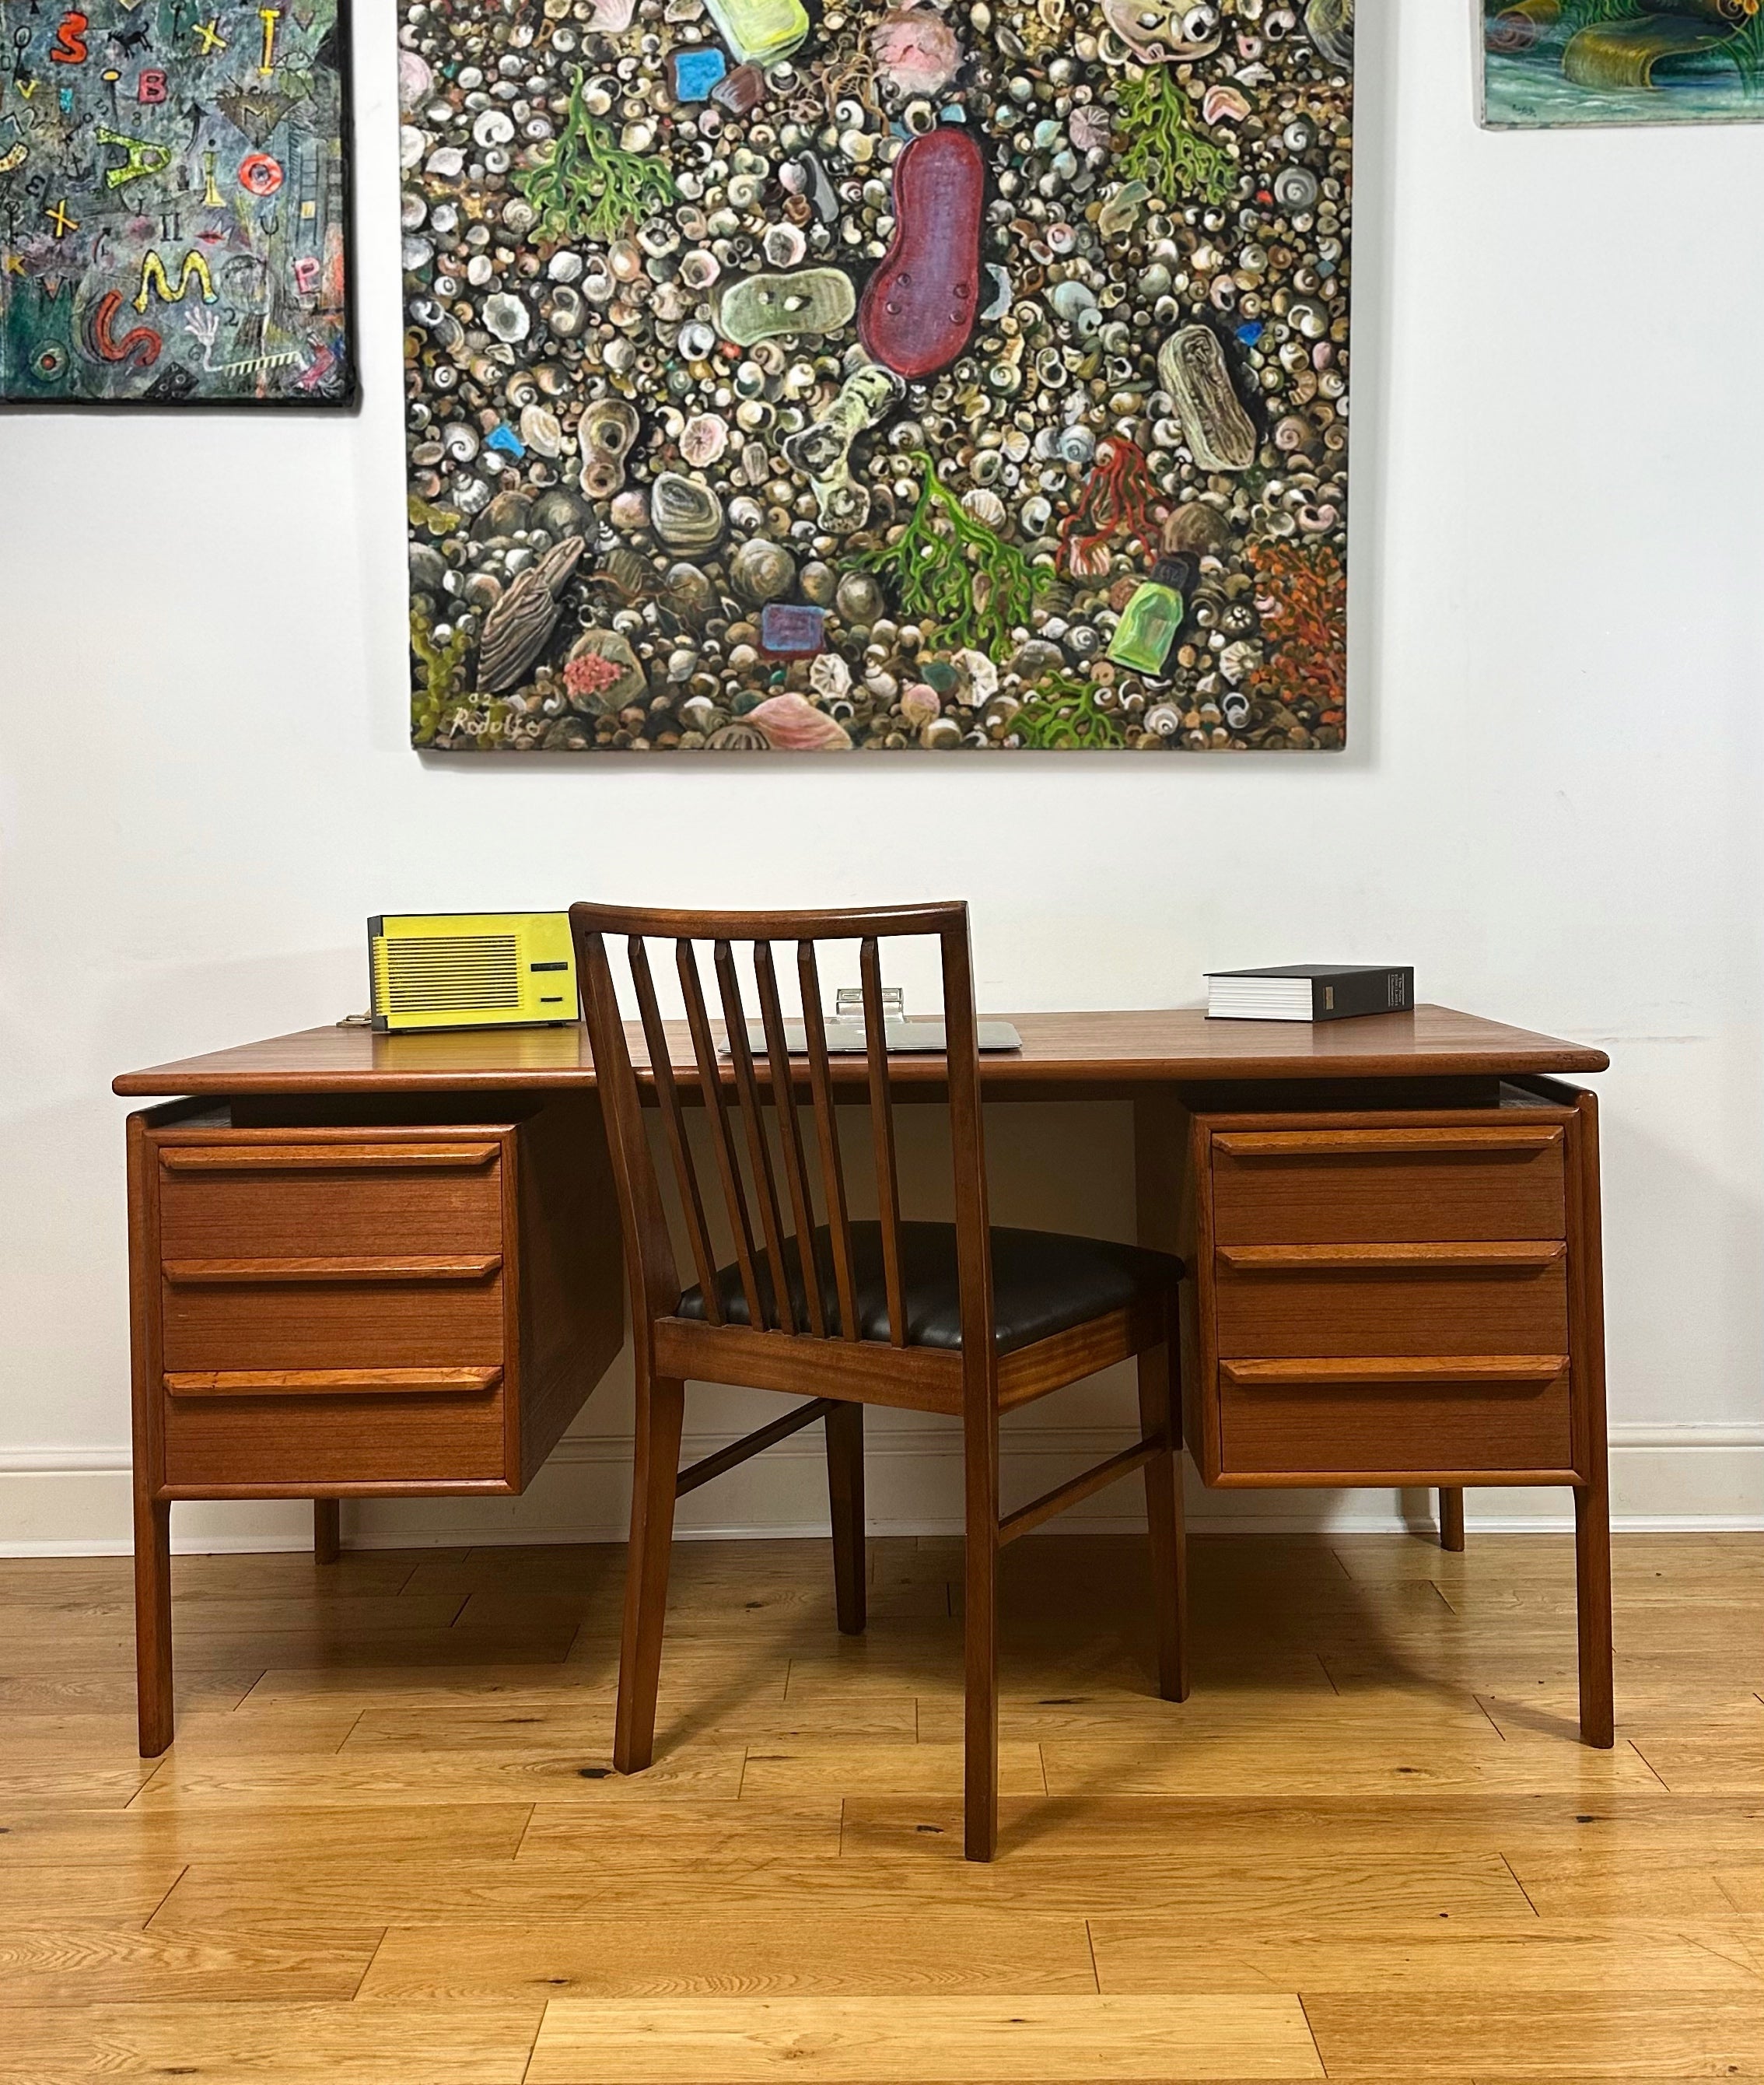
(174, 203)
(916, 376)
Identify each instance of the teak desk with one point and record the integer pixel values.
(367, 1265)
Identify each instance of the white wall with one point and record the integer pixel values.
(1550, 804)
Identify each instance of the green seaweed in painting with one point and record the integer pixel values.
(1157, 143)
(587, 186)
(1063, 716)
(1746, 50)
(953, 572)
(441, 675)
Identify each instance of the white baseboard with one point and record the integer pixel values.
(75, 1501)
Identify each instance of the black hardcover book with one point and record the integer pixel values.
(1310, 991)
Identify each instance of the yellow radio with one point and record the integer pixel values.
(471, 970)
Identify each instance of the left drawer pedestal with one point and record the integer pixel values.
(331, 1309)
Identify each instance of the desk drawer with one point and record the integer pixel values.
(1305, 1187)
(1324, 1301)
(297, 1196)
(332, 1310)
(250, 1324)
(220, 1437)
(1312, 1421)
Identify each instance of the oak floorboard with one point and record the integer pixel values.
(582, 1773)
(294, 1612)
(903, 1769)
(1283, 1885)
(177, 1833)
(128, 1892)
(1627, 1834)
(1550, 1957)
(1013, 2040)
(1719, 1754)
(475, 1683)
(693, 1609)
(39, 1741)
(1742, 1886)
(1692, 1883)
(80, 1689)
(1709, 2033)
(631, 1835)
(320, 1647)
(727, 1954)
(1308, 1761)
(112, 1786)
(94, 1965)
(1297, 1715)
(554, 1719)
(291, 2044)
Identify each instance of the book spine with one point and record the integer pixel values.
(1369, 992)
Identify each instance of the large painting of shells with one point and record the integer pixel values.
(955, 375)
(1554, 63)
(174, 203)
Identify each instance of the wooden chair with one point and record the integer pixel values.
(958, 1318)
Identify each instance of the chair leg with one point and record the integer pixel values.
(979, 1634)
(845, 1492)
(1160, 1412)
(661, 1406)
(1451, 1517)
(327, 1530)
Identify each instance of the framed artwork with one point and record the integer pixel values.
(905, 377)
(1549, 63)
(174, 203)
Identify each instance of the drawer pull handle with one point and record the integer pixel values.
(323, 1158)
(1490, 1142)
(1396, 1369)
(332, 1382)
(1517, 1257)
(446, 1266)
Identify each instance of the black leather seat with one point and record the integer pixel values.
(1043, 1282)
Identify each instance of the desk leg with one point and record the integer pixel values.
(1592, 1500)
(327, 1530)
(1593, 1609)
(1160, 1417)
(153, 1621)
(1451, 1517)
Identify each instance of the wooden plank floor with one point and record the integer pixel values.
(388, 1846)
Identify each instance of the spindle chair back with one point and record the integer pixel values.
(849, 1311)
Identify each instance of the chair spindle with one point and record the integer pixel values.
(832, 1171)
(759, 1148)
(888, 1192)
(674, 1126)
(790, 1134)
(704, 1049)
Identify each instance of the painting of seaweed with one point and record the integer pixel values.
(889, 375)
(174, 203)
(1551, 63)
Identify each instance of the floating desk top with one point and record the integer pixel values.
(1058, 1049)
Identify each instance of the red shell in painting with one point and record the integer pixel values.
(919, 308)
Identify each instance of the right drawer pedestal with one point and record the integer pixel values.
(1390, 1299)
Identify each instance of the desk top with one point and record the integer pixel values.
(1179, 1046)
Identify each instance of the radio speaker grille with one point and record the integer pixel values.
(476, 972)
